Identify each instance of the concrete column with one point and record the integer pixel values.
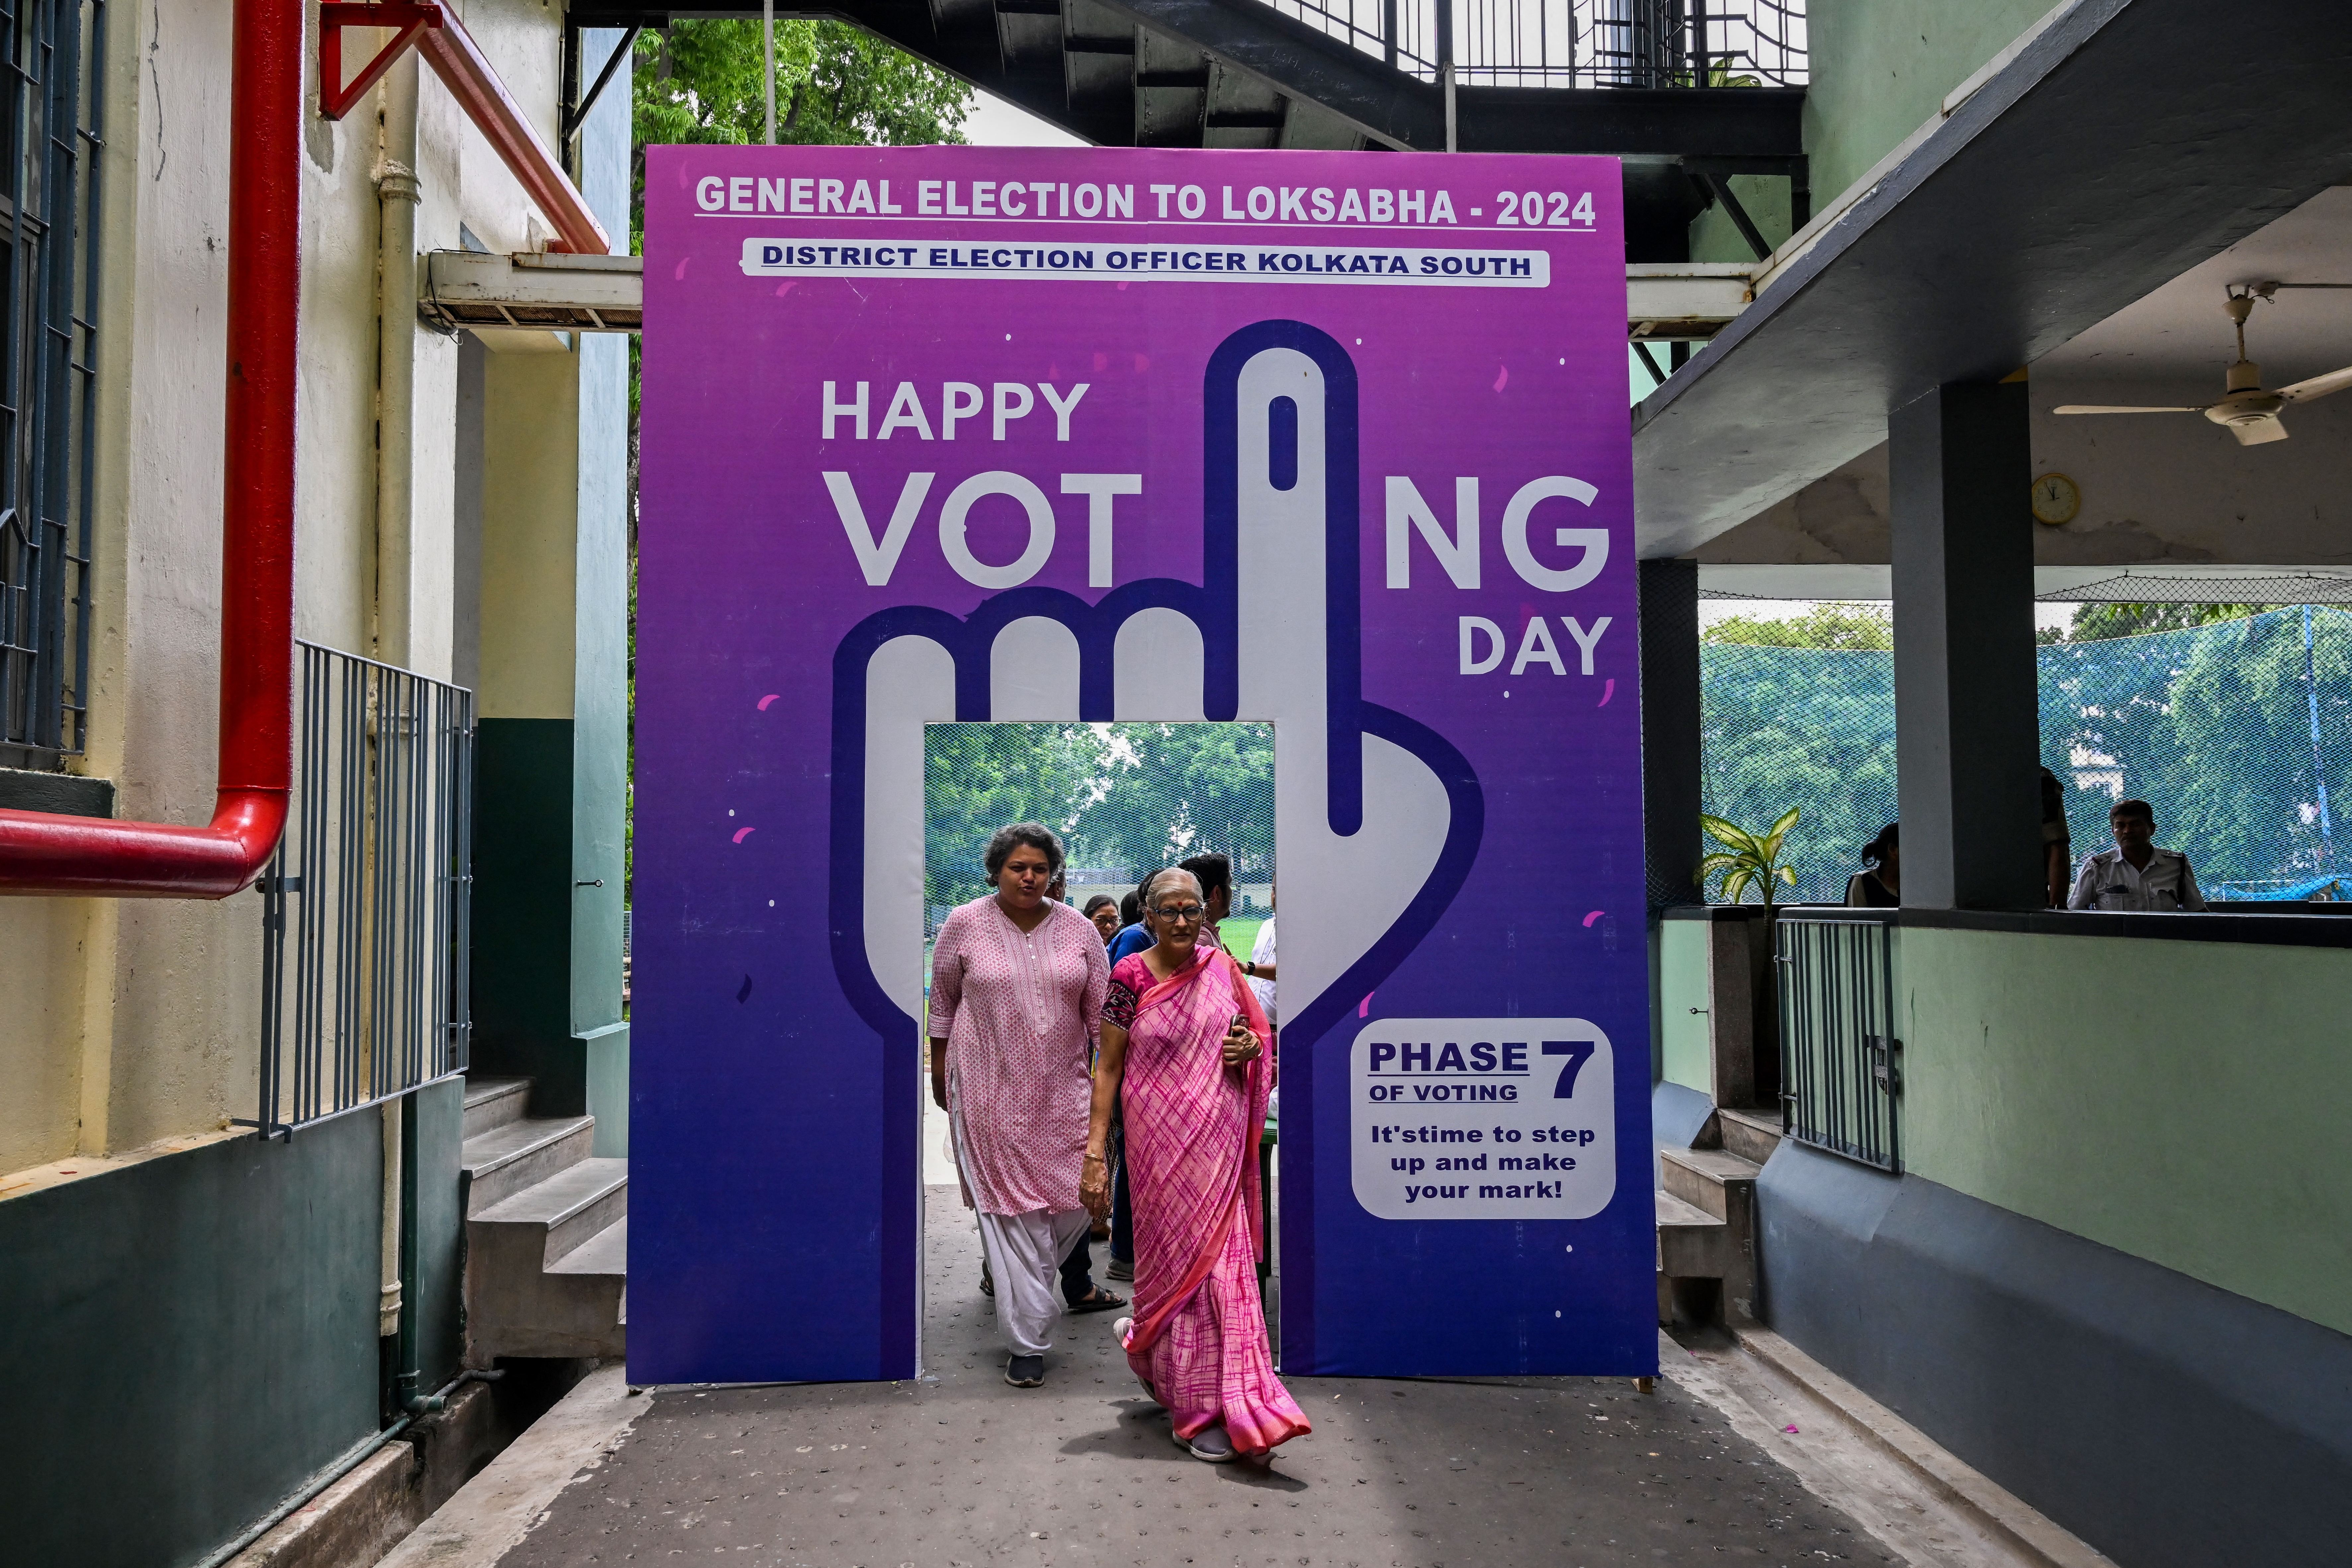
(1966, 723)
(551, 776)
(1669, 731)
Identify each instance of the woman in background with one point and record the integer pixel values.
(1184, 1052)
(1103, 909)
(1880, 886)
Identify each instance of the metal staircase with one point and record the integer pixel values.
(1610, 79)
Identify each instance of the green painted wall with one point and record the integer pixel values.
(1765, 198)
(608, 1052)
(599, 777)
(2180, 1101)
(523, 901)
(1881, 68)
(1683, 985)
(601, 744)
(440, 1112)
(184, 1340)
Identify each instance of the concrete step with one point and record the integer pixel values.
(494, 1102)
(1692, 1243)
(570, 1208)
(606, 1253)
(505, 1160)
(1721, 1185)
(547, 1266)
(1750, 1134)
(1717, 1180)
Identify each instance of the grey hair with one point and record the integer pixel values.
(1153, 880)
(1014, 835)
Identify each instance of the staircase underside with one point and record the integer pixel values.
(1238, 73)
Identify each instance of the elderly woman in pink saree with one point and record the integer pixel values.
(1183, 1045)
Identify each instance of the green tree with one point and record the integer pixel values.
(1828, 625)
(1172, 790)
(836, 86)
(979, 777)
(2093, 623)
(1135, 796)
(1801, 726)
(706, 82)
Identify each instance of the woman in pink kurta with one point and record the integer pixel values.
(1183, 1046)
(1017, 984)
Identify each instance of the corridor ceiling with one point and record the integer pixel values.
(2127, 143)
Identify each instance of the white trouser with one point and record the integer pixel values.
(1025, 1257)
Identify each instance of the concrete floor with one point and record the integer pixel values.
(958, 1470)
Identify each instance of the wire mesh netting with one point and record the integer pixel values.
(1811, 728)
(1125, 798)
(2239, 734)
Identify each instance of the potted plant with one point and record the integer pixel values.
(1747, 1051)
(1747, 857)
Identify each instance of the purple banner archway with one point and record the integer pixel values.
(1333, 440)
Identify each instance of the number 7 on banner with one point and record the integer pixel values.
(1578, 1053)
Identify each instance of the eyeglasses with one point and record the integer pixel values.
(1182, 913)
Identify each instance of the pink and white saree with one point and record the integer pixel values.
(1194, 1126)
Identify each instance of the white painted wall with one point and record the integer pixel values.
(126, 1022)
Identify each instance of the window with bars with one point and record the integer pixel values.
(52, 71)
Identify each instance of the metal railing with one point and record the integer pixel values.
(53, 72)
(1575, 43)
(1841, 1064)
(367, 904)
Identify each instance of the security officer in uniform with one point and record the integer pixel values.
(2135, 874)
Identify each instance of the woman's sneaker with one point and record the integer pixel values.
(1209, 1444)
(1121, 1268)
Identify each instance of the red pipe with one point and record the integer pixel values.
(442, 40)
(460, 64)
(40, 853)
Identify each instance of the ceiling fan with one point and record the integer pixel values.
(2248, 412)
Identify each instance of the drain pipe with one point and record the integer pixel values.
(397, 198)
(40, 853)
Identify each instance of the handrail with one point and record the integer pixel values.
(40, 853)
(1572, 43)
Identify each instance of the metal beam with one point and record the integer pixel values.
(1685, 300)
(564, 293)
(551, 294)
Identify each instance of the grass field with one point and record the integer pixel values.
(1240, 936)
